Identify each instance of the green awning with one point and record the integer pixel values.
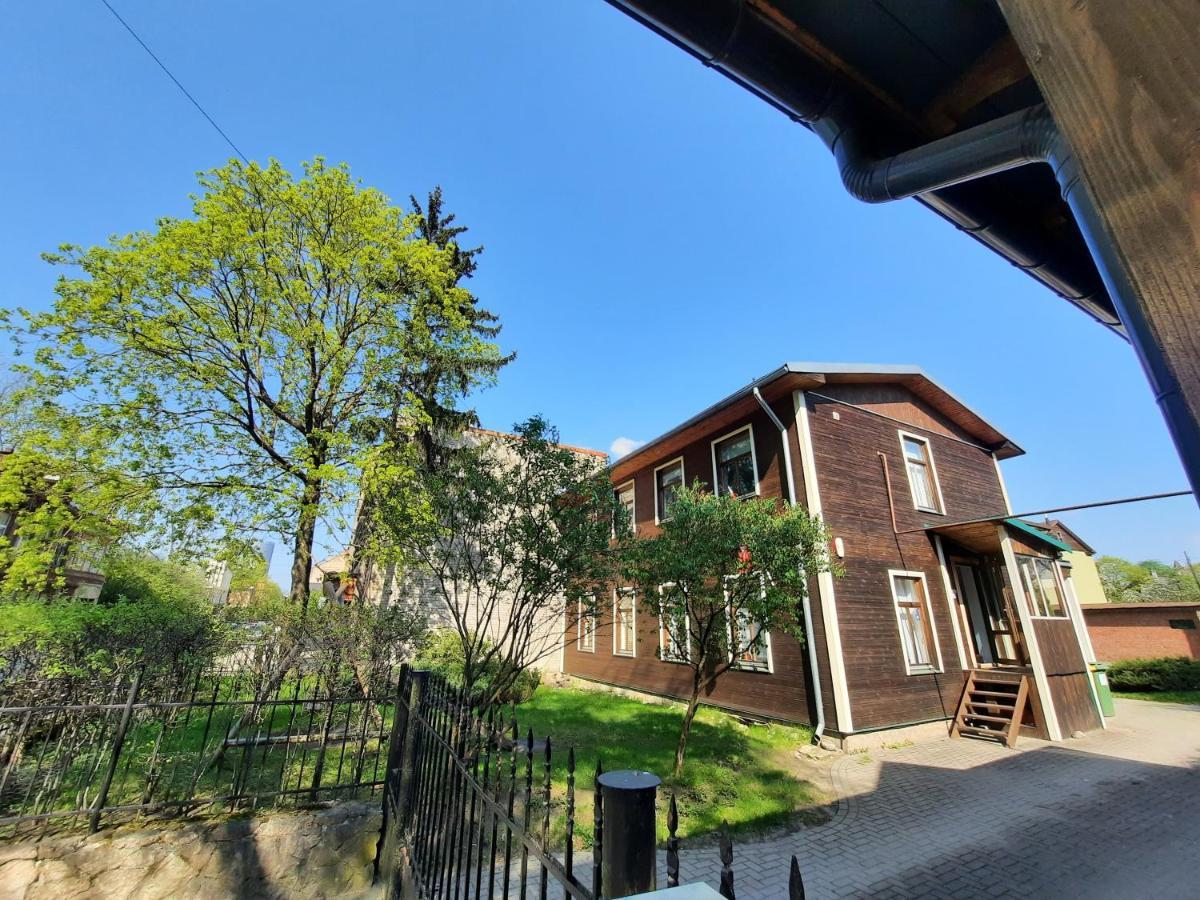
(1043, 536)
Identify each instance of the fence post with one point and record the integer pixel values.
(118, 743)
(397, 778)
(628, 863)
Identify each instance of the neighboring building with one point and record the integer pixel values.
(218, 577)
(1082, 560)
(1143, 630)
(939, 580)
(388, 585)
(331, 577)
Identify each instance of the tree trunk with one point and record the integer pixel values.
(686, 729)
(306, 528)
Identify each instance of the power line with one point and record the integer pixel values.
(178, 83)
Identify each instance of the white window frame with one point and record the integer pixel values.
(581, 617)
(1030, 597)
(931, 465)
(935, 665)
(766, 668)
(617, 594)
(620, 489)
(665, 638)
(753, 460)
(658, 519)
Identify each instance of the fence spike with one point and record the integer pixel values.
(542, 887)
(569, 850)
(672, 844)
(597, 832)
(795, 882)
(726, 863)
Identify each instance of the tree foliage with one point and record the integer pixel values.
(505, 529)
(1146, 581)
(723, 573)
(248, 360)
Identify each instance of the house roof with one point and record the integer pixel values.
(812, 375)
(585, 451)
(910, 73)
(1060, 530)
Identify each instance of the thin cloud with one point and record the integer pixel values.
(623, 445)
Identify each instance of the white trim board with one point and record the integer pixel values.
(829, 616)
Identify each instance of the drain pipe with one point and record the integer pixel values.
(805, 602)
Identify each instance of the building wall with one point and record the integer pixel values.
(1140, 630)
(782, 693)
(1086, 577)
(848, 441)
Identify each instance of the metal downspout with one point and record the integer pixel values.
(805, 602)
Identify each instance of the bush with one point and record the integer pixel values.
(1167, 673)
(443, 654)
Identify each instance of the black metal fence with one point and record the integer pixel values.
(470, 800)
(211, 741)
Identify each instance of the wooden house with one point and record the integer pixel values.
(950, 613)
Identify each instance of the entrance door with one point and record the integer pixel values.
(992, 628)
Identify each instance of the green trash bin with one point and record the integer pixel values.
(1103, 691)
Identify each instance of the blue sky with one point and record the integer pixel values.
(656, 237)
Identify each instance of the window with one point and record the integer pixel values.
(922, 478)
(735, 469)
(5, 518)
(673, 637)
(749, 642)
(624, 623)
(625, 499)
(1041, 586)
(668, 479)
(921, 651)
(587, 626)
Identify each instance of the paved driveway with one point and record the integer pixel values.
(1113, 815)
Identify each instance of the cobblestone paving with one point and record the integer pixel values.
(1115, 814)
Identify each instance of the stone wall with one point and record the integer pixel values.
(311, 854)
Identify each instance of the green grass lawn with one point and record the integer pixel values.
(743, 774)
(1192, 697)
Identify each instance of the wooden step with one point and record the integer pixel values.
(1001, 720)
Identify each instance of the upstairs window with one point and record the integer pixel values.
(627, 501)
(735, 469)
(913, 616)
(922, 478)
(625, 623)
(587, 627)
(668, 479)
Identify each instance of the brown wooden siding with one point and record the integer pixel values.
(847, 442)
(780, 694)
(1067, 675)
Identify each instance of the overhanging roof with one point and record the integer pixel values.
(917, 70)
(811, 376)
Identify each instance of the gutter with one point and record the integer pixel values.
(805, 601)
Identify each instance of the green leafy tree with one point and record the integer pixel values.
(724, 573)
(1147, 581)
(504, 529)
(250, 359)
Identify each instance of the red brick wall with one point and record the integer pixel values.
(1128, 632)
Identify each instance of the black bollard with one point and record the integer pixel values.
(628, 860)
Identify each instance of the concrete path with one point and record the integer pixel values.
(1113, 815)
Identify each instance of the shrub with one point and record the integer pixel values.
(443, 654)
(1167, 673)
